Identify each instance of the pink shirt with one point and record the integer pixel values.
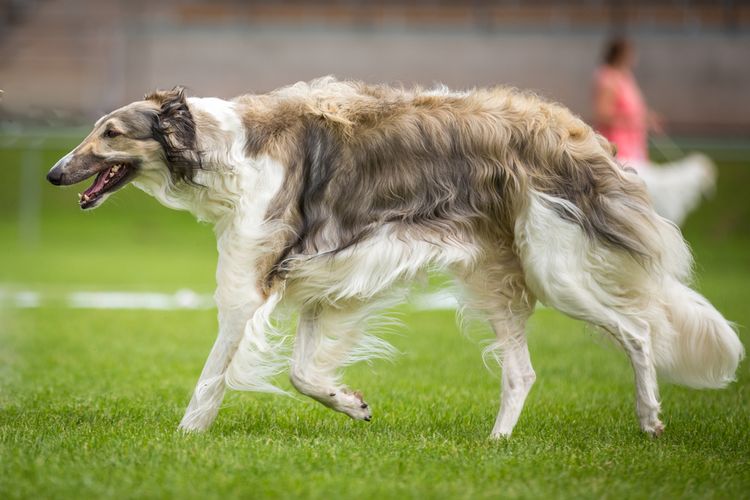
(628, 128)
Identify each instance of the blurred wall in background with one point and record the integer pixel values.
(69, 61)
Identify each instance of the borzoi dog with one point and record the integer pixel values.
(329, 196)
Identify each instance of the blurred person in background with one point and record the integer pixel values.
(622, 116)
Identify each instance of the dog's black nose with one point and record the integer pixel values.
(55, 176)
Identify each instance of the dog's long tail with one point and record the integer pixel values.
(626, 265)
(695, 346)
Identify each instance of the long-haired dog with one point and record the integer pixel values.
(329, 196)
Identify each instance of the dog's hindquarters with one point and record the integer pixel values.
(638, 297)
(584, 279)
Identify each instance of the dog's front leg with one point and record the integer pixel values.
(237, 298)
(209, 391)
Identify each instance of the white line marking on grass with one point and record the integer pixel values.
(182, 299)
(26, 299)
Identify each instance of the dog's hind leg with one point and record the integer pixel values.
(327, 336)
(592, 282)
(635, 341)
(498, 291)
(518, 377)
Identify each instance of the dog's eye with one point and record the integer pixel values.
(109, 133)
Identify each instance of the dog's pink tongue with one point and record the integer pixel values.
(98, 183)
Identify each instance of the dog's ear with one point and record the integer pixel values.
(174, 128)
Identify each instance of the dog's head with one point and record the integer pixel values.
(157, 133)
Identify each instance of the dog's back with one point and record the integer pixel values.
(359, 156)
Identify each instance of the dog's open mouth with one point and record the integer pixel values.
(106, 181)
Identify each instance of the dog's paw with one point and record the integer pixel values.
(351, 403)
(498, 435)
(653, 429)
(193, 425)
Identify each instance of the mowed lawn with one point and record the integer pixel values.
(90, 399)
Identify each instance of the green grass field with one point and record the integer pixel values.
(90, 399)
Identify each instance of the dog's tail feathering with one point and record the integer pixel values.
(626, 268)
(696, 346)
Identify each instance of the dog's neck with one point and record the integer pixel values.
(228, 176)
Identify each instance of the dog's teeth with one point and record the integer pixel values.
(115, 169)
(86, 197)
